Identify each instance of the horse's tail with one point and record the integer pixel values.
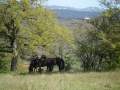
(62, 64)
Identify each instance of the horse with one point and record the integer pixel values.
(50, 62)
(34, 64)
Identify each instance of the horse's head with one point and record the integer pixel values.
(60, 62)
(43, 57)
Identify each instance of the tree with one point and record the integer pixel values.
(98, 48)
(108, 27)
(25, 26)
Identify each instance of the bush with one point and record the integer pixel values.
(4, 63)
(69, 61)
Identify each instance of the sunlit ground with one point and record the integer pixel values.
(61, 81)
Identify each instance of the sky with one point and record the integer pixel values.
(74, 3)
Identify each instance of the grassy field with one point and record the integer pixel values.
(63, 81)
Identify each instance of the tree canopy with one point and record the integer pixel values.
(25, 26)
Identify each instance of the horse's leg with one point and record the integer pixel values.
(39, 69)
(47, 68)
(51, 68)
(34, 69)
(59, 67)
(58, 64)
(30, 69)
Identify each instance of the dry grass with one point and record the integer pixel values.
(64, 81)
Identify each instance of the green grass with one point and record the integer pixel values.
(63, 81)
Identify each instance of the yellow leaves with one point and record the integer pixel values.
(108, 13)
(13, 1)
(48, 30)
(25, 3)
(64, 34)
(37, 27)
(104, 38)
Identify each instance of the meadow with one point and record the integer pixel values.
(61, 81)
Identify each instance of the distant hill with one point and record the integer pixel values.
(64, 13)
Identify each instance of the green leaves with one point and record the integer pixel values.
(26, 28)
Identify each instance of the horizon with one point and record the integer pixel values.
(73, 4)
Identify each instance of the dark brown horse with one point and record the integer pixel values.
(34, 64)
(50, 62)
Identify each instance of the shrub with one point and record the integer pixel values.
(4, 63)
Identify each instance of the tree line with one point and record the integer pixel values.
(100, 49)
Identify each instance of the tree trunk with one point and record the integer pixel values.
(61, 52)
(14, 64)
(15, 57)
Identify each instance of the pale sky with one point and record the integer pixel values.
(74, 3)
